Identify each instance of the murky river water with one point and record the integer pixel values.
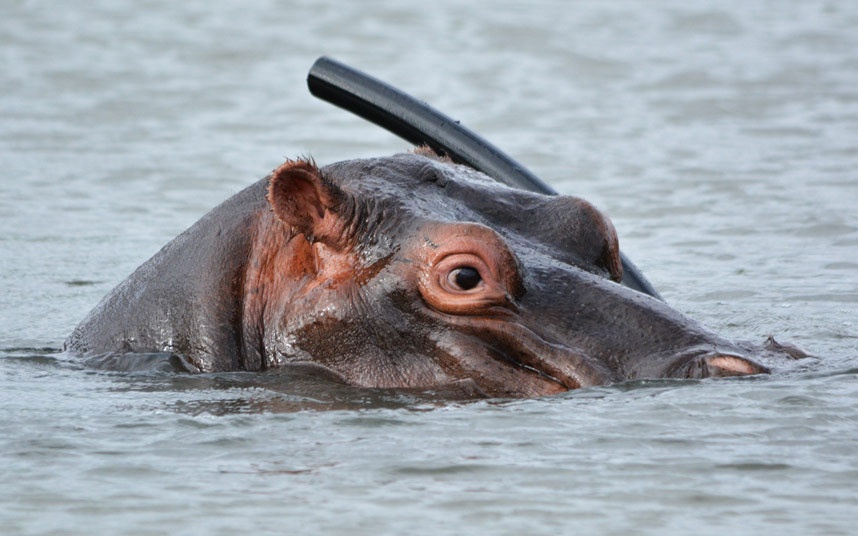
(722, 140)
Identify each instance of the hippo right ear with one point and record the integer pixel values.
(306, 201)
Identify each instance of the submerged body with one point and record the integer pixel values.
(405, 271)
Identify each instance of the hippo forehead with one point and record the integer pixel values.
(416, 184)
(413, 188)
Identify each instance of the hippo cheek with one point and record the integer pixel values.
(372, 356)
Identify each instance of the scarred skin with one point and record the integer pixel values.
(408, 272)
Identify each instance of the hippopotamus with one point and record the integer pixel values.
(407, 271)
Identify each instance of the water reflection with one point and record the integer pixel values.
(292, 388)
(306, 387)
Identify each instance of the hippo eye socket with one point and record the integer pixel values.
(468, 277)
(465, 278)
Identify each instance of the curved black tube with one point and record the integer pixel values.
(420, 124)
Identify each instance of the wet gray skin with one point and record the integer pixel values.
(406, 271)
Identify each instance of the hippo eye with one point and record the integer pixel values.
(465, 278)
(468, 276)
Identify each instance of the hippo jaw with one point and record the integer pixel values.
(506, 359)
(545, 367)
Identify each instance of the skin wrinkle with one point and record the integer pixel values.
(518, 344)
(280, 271)
(363, 308)
(492, 371)
(252, 333)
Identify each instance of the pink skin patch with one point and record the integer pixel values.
(728, 365)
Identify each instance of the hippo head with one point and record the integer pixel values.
(412, 271)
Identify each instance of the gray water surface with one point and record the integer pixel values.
(721, 138)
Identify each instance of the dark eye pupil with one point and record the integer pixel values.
(467, 278)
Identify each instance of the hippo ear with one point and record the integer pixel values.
(306, 201)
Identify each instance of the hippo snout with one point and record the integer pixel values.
(698, 365)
